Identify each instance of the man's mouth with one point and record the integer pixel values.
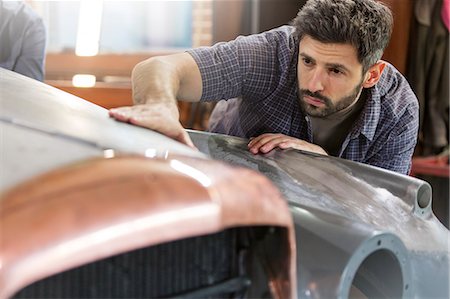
(314, 101)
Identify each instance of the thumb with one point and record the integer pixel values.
(184, 138)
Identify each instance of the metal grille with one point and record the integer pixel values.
(159, 271)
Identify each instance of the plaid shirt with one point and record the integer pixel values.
(259, 74)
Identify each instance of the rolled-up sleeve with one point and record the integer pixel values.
(247, 66)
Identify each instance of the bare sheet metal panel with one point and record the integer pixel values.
(363, 210)
(32, 104)
(358, 228)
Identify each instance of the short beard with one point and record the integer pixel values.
(329, 108)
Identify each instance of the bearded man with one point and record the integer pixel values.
(317, 85)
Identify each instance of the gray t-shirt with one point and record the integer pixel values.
(22, 39)
(329, 132)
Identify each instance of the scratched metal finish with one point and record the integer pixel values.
(31, 104)
(20, 161)
(372, 197)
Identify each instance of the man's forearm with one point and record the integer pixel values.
(166, 79)
(153, 81)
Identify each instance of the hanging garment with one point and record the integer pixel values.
(428, 74)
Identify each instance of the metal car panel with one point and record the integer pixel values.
(32, 104)
(71, 197)
(358, 229)
(97, 208)
(371, 203)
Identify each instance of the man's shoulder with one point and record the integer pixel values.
(277, 44)
(280, 35)
(17, 16)
(280, 38)
(285, 31)
(396, 95)
(18, 9)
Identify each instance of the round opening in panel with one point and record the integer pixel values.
(378, 276)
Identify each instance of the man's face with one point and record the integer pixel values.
(329, 77)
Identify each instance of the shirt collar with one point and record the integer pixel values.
(368, 121)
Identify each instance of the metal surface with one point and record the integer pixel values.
(72, 194)
(39, 107)
(46, 128)
(97, 208)
(29, 153)
(358, 229)
(345, 214)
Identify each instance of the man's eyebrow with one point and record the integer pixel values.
(307, 56)
(337, 66)
(328, 65)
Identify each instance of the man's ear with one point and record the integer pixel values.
(373, 75)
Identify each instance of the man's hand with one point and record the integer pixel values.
(161, 117)
(157, 84)
(266, 142)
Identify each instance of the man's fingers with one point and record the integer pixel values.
(120, 114)
(169, 127)
(285, 145)
(273, 143)
(267, 142)
(264, 143)
(260, 138)
(157, 118)
(303, 145)
(255, 145)
(184, 138)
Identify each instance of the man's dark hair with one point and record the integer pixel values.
(365, 24)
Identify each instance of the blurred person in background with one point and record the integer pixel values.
(22, 39)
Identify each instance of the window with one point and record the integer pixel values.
(127, 26)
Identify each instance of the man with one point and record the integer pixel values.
(22, 39)
(318, 85)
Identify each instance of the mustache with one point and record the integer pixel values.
(315, 95)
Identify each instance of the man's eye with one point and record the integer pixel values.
(307, 61)
(335, 71)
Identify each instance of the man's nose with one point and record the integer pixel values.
(316, 81)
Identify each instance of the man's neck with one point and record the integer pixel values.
(330, 132)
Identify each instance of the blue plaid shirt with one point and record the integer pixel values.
(259, 74)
